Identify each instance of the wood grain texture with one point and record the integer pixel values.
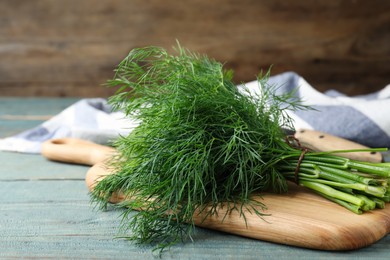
(70, 48)
(45, 213)
(30, 111)
(301, 218)
(298, 218)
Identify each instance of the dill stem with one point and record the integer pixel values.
(370, 168)
(352, 207)
(380, 204)
(386, 198)
(368, 203)
(346, 175)
(327, 159)
(203, 141)
(372, 190)
(322, 188)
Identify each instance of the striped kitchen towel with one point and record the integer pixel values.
(89, 119)
(363, 119)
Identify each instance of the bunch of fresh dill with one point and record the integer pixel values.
(202, 141)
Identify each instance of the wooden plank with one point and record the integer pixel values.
(55, 220)
(12, 127)
(48, 219)
(17, 167)
(45, 213)
(298, 218)
(70, 48)
(18, 115)
(33, 106)
(26, 118)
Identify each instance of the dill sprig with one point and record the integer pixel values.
(201, 141)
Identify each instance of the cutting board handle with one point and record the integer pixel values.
(76, 151)
(319, 141)
(288, 222)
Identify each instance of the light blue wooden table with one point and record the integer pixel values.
(45, 210)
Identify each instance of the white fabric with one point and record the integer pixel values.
(363, 119)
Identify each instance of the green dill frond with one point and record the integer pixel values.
(201, 141)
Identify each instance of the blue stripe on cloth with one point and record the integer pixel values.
(367, 97)
(285, 83)
(346, 122)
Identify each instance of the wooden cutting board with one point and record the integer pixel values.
(298, 218)
(302, 218)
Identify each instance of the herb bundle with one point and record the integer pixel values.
(203, 141)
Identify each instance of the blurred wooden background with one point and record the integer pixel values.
(70, 48)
